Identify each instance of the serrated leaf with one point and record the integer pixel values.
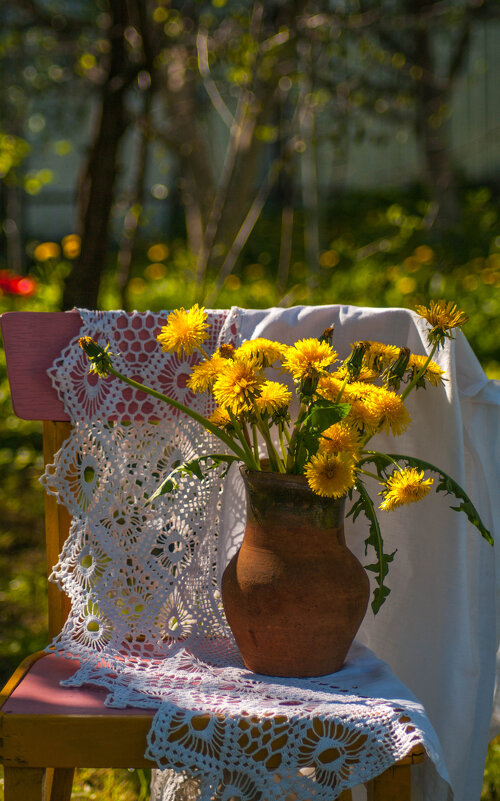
(374, 540)
(324, 414)
(446, 484)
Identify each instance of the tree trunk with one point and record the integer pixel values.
(432, 131)
(97, 183)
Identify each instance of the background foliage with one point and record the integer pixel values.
(199, 141)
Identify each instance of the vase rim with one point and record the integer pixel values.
(290, 480)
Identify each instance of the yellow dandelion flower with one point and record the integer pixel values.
(330, 385)
(379, 356)
(443, 317)
(392, 414)
(308, 358)
(330, 476)
(274, 397)
(362, 414)
(205, 373)
(220, 418)
(405, 487)
(365, 374)
(237, 387)
(433, 373)
(184, 331)
(339, 437)
(261, 352)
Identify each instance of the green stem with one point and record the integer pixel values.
(281, 429)
(368, 473)
(264, 430)
(293, 438)
(204, 353)
(385, 456)
(255, 442)
(419, 375)
(243, 439)
(339, 396)
(190, 412)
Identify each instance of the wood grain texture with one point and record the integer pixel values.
(24, 784)
(57, 524)
(32, 341)
(59, 784)
(67, 741)
(392, 785)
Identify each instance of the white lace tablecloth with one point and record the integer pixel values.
(146, 616)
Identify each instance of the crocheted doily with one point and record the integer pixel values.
(146, 617)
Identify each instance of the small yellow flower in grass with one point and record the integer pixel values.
(405, 487)
(184, 331)
(433, 373)
(308, 358)
(390, 410)
(261, 352)
(274, 397)
(205, 373)
(339, 437)
(237, 387)
(330, 476)
(443, 317)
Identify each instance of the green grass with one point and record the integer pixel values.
(106, 785)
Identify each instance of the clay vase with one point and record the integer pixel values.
(294, 595)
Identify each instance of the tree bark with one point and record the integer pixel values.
(97, 184)
(432, 129)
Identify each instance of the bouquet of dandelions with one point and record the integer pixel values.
(341, 407)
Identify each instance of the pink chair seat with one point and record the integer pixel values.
(40, 693)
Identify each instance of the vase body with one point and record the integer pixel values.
(294, 595)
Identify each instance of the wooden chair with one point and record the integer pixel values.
(46, 730)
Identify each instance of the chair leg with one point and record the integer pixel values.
(392, 785)
(25, 783)
(59, 784)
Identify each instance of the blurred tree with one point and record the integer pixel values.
(242, 98)
(417, 50)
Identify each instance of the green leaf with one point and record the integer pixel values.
(321, 415)
(324, 414)
(374, 540)
(193, 468)
(446, 484)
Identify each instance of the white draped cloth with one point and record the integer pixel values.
(440, 628)
(146, 617)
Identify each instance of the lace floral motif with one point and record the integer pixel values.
(146, 615)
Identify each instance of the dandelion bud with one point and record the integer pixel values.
(354, 362)
(395, 372)
(99, 356)
(327, 335)
(227, 351)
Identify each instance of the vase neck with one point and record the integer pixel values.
(284, 507)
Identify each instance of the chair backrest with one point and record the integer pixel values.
(32, 341)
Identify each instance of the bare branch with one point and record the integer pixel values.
(244, 232)
(208, 82)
